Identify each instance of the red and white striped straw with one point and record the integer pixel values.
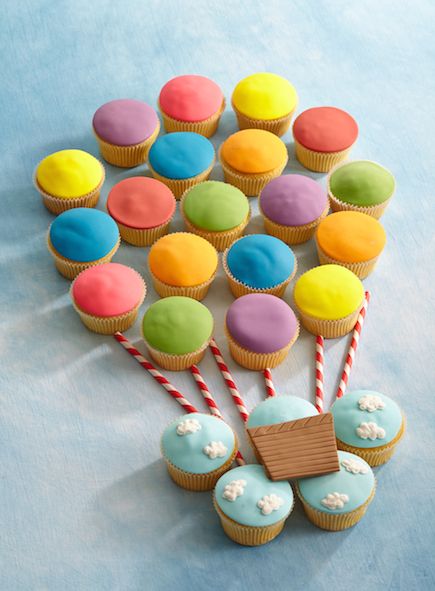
(353, 347)
(237, 399)
(270, 388)
(319, 373)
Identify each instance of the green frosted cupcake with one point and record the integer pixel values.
(215, 211)
(360, 185)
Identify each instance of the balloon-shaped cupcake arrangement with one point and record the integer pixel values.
(326, 456)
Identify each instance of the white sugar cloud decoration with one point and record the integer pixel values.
(371, 402)
(370, 431)
(354, 466)
(188, 426)
(335, 500)
(215, 449)
(234, 489)
(270, 503)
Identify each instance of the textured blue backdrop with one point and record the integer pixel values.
(85, 502)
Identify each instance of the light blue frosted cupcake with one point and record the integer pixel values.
(259, 263)
(280, 409)
(198, 449)
(252, 508)
(368, 424)
(338, 500)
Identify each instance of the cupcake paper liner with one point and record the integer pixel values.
(277, 126)
(69, 268)
(207, 127)
(127, 156)
(197, 292)
(361, 269)
(176, 362)
(143, 237)
(179, 186)
(258, 361)
(292, 234)
(375, 456)
(337, 521)
(319, 161)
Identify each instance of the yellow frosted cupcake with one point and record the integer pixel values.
(264, 101)
(329, 299)
(68, 179)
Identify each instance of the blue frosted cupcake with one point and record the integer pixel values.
(338, 500)
(368, 424)
(198, 449)
(252, 508)
(181, 160)
(259, 263)
(80, 238)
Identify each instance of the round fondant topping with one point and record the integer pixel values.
(69, 173)
(182, 259)
(260, 261)
(366, 419)
(265, 96)
(351, 236)
(328, 292)
(181, 155)
(187, 453)
(215, 206)
(354, 489)
(254, 151)
(108, 290)
(125, 122)
(246, 495)
(83, 234)
(191, 98)
(362, 183)
(177, 325)
(325, 129)
(261, 322)
(280, 409)
(141, 202)
(293, 200)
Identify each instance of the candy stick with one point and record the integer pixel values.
(353, 347)
(237, 399)
(319, 373)
(270, 388)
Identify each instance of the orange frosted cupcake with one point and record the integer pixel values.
(351, 239)
(182, 264)
(251, 158)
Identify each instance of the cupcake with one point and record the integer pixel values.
(338, 500)
(81, 238)
(264, 101)
(198, 449)
(182, 264)
(261, 329)
(143, 209)
(351, 239)
(181, 160)
(215, 211)
(368, 424)
(360, 185)
(292, 207)
(259, 264)
(68, 179)
(252, 508)
(251, 158)
(329, 299)
(125, 130)
(323, 137)
(191, 103)
(107, 297)
(177, 331)
(280, 409)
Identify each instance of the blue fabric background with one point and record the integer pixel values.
(85, 501)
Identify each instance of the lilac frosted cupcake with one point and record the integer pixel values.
(125, 130)
(292, 207)
(261, 329)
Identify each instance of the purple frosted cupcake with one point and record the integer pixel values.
(125, 130)
(261, 329)
(292, 207)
